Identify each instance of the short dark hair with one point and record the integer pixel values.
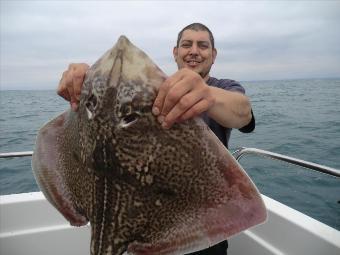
(196, 27)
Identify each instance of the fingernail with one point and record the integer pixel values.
(165, 125)
(155, 111)
(160, 119)
(74, 106)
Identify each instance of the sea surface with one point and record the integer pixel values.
(299, 118)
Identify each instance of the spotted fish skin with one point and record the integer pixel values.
(145, 190)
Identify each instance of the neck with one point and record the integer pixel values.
(206, 77)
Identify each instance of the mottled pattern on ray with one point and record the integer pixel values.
(144, 190)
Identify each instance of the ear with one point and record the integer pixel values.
(214, 54)
(175, 53)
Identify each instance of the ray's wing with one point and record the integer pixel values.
(217, 200)
(50, 166)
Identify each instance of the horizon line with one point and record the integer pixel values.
(241, 81)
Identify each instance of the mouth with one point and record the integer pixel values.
(192, 63)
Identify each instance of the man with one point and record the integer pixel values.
(188, 93)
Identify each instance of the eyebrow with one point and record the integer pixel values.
(199, 42)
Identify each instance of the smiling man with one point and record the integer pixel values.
(188, 93)
(191, 91)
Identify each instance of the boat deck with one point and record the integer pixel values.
(31, 226)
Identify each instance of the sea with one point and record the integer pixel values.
(298, 118)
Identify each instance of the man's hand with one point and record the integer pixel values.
(182, 96)
(71, 82)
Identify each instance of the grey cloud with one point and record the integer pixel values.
(255, 40)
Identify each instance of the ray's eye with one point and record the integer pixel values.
(129, 119)
(90, 106)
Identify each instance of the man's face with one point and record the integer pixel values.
(195, 52)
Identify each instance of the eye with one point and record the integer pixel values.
(203, 46)
(186, 44)
(90, 106)
(129, 119)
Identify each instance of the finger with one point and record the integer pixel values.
(74, 82)
(78, 79)
(70, 89)
(202, 106)
(183, 105)
(62, 91)
(162, 92)
(174, 96)
(73, 102)
(158, 103)
(65, 95)
(62, 88)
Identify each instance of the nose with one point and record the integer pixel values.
(194, 49)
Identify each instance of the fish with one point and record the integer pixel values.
(143, 189)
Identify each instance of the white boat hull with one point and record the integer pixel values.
(29, 225)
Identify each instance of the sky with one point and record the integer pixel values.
(255, 40)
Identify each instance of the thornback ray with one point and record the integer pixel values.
(144, 189)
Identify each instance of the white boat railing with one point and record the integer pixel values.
(238, 154)
(16, 154)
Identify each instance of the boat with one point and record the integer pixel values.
(30, 225)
